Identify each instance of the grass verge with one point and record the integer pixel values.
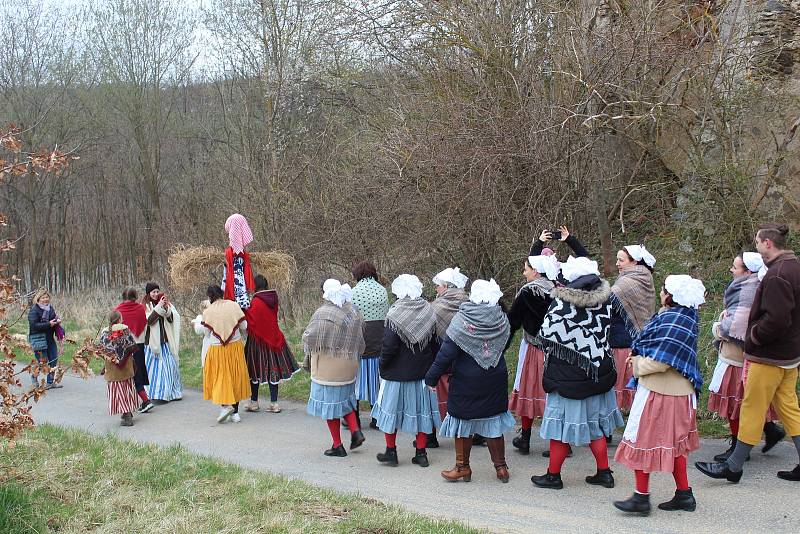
(69, 481)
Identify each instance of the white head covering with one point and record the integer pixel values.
(484, 292)
(451, 275)
(546, 265)
(407, 285)
(347, 291)
(639, 253)
(335, 292)
(574, 268)
(755, 263)
(685, 290)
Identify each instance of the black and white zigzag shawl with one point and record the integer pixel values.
(576, 327)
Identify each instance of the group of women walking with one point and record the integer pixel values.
(589, 351)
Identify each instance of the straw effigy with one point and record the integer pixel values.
(196, 267)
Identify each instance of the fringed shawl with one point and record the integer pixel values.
(481, 331)
(576, 326)
(634, 298)
(118, 342)
(413, 320)
(336, 331)
(738, 300)
(223, 318)
(671, 338)
(445, 306)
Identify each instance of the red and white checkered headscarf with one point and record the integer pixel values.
(239, 232)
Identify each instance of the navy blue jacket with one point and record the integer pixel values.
(618, 336)
(475, 392)
(399, 363)
(39, 323)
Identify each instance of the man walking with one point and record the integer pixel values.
(772, 348)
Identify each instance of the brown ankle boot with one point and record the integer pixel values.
(497, 451)
(461, 469)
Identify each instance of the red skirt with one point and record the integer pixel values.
(529, 399)
(667, 428)
(624, 374)
(442, 390)
(122, 397)
(728, 400)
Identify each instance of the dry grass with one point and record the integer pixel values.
(101, 484)
(193, 267)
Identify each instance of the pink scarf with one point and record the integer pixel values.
(239, 232)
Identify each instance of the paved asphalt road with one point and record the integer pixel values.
(291, 443)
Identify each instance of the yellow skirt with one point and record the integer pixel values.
(225, 378)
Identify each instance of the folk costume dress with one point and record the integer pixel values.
(445, 307)
(633, 299)
(372, 300)
(135, 317)
(269, 358)
(478, 403)
(225, 377)
(161, 347)
(237, 279)
(404, 402)
(120, 345)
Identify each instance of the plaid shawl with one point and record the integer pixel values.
(481, 331)
(118, 342)
(576, 327)
(670, 337)
(413, 320)
(634, 298)
(738, 299)
(336, 331)
(445, 306)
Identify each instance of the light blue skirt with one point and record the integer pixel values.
(163, 374)
(368, 380)
(331, 402)
(488, 427)
(407, 406)
(578, 422)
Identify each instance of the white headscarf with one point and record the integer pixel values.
(451, 275)
(755, 263)
(685, 290)
(335, 292)
(407, 285)
(546, 265)
(639, 253)
(574, 268)
(484, 292)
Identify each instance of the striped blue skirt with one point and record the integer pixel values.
(488, 427)
(407, 406)
(578, 422)
(368, 379)
(331, 402)
(163, 374)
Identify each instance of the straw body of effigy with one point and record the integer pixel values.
(196, 267)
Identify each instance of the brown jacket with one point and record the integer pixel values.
(773, 331)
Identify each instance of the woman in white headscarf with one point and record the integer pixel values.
(633, 302)
(333, 342)
(473, 348)
(727, 385)
(404, 403)
(527, 311)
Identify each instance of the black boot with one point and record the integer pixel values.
(548, 481)
(610, 439)
(430, 442)
(637, 504)
(773, 434)
(603, 477)
(723, 456)
(336, 451)
(523, 441)
(420, 458)
(478, 440)
(719, 470)
(683, 500)
(373, 424)
(793, 475)
(389, 457)
(356, 439)
(546, 454)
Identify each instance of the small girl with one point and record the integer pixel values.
(120, 346)
(662, 427)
